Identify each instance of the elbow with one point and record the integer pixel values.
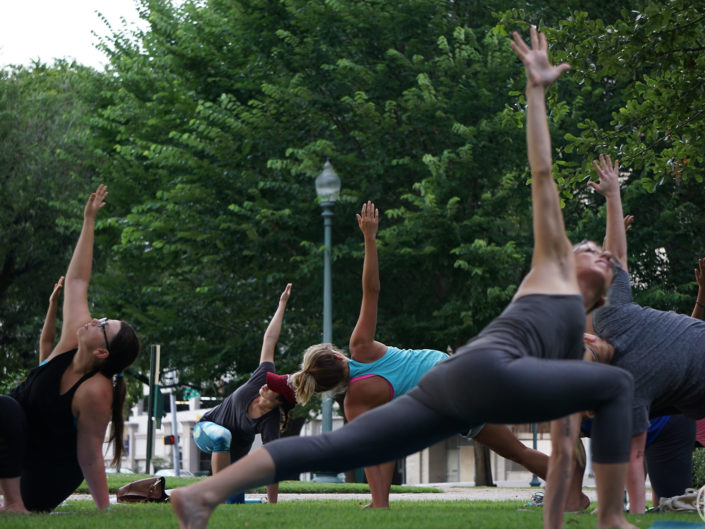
(373, 287)
(542, 170)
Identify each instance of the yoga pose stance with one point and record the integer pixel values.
(228, 430)
(525, 366)
(377, 373)
(53, 425)
(664, 351)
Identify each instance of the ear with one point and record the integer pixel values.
(101, 353)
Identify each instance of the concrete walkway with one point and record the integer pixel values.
(449, 492)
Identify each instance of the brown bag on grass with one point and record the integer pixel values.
(143, 491)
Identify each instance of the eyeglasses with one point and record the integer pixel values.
(102, 322)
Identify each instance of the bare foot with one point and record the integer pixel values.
(13, 509)
(617, 523)
(372, 506)
(191, 509)
(578, 506)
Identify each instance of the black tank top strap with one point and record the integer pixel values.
(81, 381)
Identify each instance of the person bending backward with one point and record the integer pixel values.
(664, 351)
(525, 366)
(228, 430)
(53, 424)
(377, 374)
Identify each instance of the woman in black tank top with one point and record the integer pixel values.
(525, 367)
(53, 424)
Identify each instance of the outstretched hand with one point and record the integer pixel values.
(95, 202)
(628, 219)
(54, 297)
(539, 71)
(608, 174)
(700, 274)
(368, 219)
(285, 295)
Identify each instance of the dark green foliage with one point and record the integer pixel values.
(211, 125)
(46, 162)
(698, 468)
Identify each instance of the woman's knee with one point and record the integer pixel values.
(622, 383)
(211, 437)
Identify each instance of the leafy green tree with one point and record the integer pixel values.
(220, 115)
(45, 161)
(646, 69)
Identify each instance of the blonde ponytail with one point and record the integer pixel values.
(321, 370)
(304, 386)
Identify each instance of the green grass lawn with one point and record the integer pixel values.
(322, 514)
(115, 481)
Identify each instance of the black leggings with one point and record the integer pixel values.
(480, 386)
(45, 481)
(669, 459)
(13, 437)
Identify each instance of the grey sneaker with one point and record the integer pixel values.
(537, 499)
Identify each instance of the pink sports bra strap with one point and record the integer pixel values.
(361, 377)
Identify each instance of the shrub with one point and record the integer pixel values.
(698, 468)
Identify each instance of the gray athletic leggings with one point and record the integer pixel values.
(503, 389)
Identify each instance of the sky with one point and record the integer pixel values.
(48, 29)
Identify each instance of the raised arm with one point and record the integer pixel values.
(608, 187)
(46, 340)
(699, 309)
(78, 275)
(271, 335)
(550, 241)
(363, 346)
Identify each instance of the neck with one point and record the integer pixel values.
(83, 362)
(266, 405)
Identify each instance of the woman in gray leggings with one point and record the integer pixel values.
(525, 366)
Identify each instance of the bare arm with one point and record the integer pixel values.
(608, 187)
(271, 335)
(78, 275)
(363, 396)
(699, 309)
(93, 401)
(550, 242)
(363, 346)
(636, 488)
(46, 340)
(564, 433)
(273, 492)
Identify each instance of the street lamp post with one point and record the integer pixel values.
(327, 189)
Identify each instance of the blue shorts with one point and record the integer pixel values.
(211, 437)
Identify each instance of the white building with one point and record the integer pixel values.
(451, 460)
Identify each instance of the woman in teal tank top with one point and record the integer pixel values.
(376, 373)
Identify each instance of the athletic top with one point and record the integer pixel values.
(401, 368)
(540, 325)
(547, 326)
(52, 434)
(664, 352)
(232, 414)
